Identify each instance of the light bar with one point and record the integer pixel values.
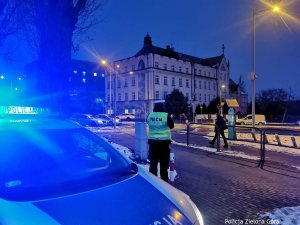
(22, 110)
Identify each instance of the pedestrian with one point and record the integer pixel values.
(182, 117)
(220, 127)
(159, 138)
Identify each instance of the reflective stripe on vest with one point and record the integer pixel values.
(158, 126)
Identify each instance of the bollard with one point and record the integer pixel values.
(141, 145)
(172, 169)
(277, 139)
(294, 142)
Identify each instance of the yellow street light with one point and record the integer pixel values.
(276, 8)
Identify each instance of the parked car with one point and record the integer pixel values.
(109, 118)
(247, 120)
(89, 120)
(126, 116)
(58, 172)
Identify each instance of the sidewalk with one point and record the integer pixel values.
(228, 188)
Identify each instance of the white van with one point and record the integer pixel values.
(247, 120)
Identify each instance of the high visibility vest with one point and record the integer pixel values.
(158, 126)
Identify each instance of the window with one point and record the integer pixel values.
(208, 85)
(214, 86)
(205, 85)
(165, 80)
(187, 96)
(126, 96)
(187, 83)
(187, 70)
(156, 65)
(165, 66)
(173, 81)
(204, 73)
(119, 83)
(126, 82)
(200, 72)
(180, 82)
(209, 98)
(173, 68)
(133, 81)
(199, 84)
(119, 97)
(165, 94)
(180, 69)
(195, 71)
(133, 96)
(156, 94)
(200, 99)
(204, 97)
(156, 79)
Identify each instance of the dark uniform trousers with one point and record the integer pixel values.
(159, 151)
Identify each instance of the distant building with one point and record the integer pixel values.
(235, 92)
(87, 87)
(154, 72)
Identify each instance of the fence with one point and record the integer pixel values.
(274, 144)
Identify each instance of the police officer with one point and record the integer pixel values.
(159, 138)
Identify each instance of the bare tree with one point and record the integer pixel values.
(50, 28)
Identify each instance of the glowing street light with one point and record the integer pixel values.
(253, 75)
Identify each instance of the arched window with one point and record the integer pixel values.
(141, 65)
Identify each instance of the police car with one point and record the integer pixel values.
(54, 171)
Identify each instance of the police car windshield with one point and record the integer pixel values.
(40, 163)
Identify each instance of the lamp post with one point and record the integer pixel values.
(253, 75)
(221, 108)
(115, 95)
(111, 70)
(104, 63)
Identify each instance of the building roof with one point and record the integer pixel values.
(169, 51)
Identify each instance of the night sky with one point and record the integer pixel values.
(199, 28)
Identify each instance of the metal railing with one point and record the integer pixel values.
(261, 136)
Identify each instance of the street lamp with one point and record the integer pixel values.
(221, 108)
(104, 63)
(253, 75)
(115, 95)
(111, 69)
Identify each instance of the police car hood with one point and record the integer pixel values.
(132, 201)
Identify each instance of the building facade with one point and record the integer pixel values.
(154, 72)
(87, 87)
